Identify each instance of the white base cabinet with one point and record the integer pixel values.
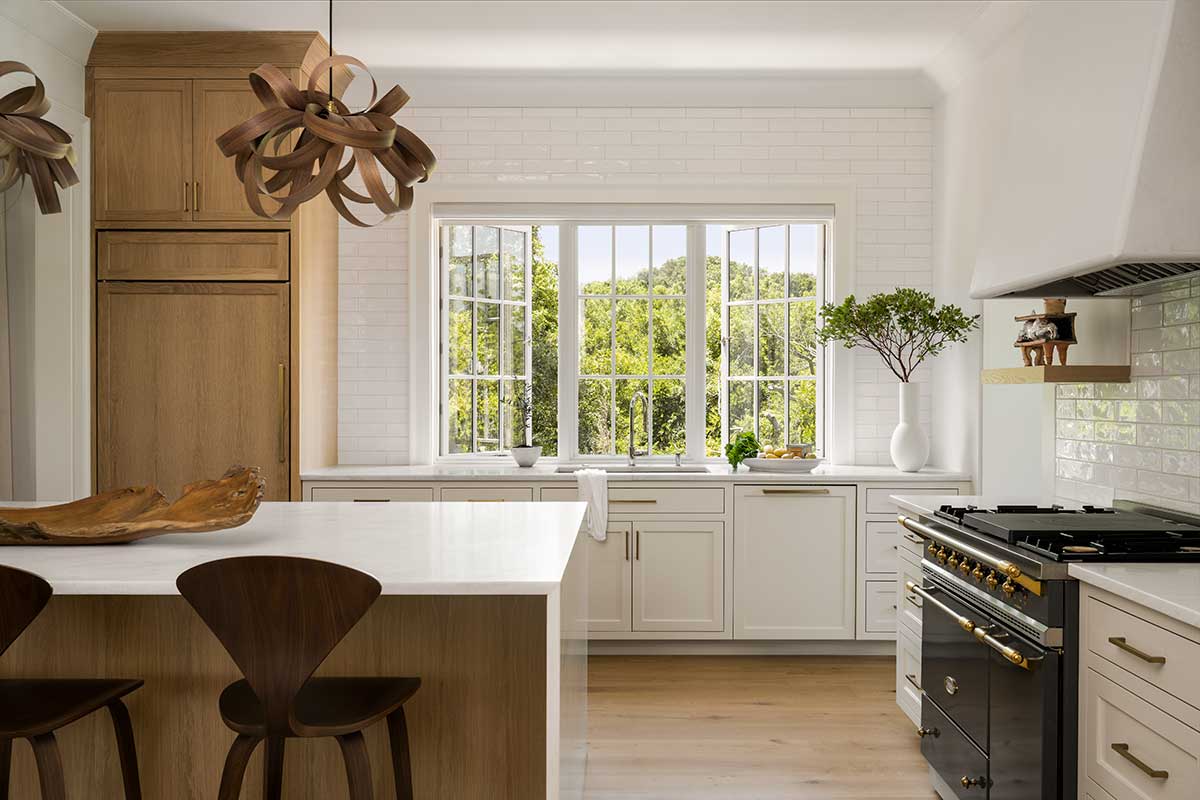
(610, 580)
(678, 576)
(794, 562)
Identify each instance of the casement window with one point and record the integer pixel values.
(710, 325)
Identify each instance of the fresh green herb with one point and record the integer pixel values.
(743, 446)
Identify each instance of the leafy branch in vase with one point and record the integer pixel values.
(904, 327)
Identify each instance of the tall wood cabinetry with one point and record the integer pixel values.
(216, 330)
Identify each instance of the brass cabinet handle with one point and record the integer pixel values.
(1122, 749)
(626, 545)
(637, 501)
(196, 196)
(912, 537)
(1119, 641)
(637, 545)
(372, 500)
(795, 491)
(282, 413)
(186, 196)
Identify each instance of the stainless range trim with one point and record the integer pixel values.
(1028, 626)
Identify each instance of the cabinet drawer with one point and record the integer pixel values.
(1137, 645)
(364, 494)
(908, 674)
(192, 255)
(882, 541)
(560, 494)
(479, 494)
(878, 502)
(949, 752)
(908, 607)
(880, 599)
(666, 501)
(1132, 749)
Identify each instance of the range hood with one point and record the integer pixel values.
(1098, 185)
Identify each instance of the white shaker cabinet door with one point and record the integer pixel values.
(678, 576)
(610, 580)
(793, 562)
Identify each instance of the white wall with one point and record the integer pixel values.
(48, 270)
(884, 153)
(979, 78)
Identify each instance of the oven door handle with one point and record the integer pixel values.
(1007, 568)
(981, 634)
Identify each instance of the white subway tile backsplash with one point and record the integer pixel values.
(885, 152)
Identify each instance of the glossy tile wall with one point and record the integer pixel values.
(1139, 440)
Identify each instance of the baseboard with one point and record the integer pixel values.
(731, 648)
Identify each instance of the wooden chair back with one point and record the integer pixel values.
(279, 618)
(23, 595)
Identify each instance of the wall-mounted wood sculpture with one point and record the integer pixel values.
(126, 515)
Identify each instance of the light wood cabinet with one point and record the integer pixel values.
(142, 149)
(218, 105)
(192, 255)
(678, 576)
(794, 566)
(610, 580)
(192, 378)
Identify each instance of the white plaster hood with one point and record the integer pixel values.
(1098, 187)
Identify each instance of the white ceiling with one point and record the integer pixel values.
(618, 36)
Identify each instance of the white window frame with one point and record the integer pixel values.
(682, 205)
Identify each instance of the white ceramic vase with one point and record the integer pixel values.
(526, 455)
(910, 445)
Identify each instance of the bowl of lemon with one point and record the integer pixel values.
(793, 458)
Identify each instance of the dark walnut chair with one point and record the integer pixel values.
(279, 618)
(34, 708)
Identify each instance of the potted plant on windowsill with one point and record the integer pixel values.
(526, 453)
(904, 327)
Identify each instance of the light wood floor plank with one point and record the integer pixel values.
(749, 728)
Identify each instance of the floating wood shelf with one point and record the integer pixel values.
(1075, 373)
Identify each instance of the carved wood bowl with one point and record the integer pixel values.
(126, 515)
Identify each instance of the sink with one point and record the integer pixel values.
(625, 469)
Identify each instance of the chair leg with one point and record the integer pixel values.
(235, 767)
(358, 766)
(126, 750)
(273, 768)
(5, 764)
(401, 763)
(49, 767)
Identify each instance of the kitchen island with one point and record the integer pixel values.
(485, 602)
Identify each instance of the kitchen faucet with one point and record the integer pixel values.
(633, 454)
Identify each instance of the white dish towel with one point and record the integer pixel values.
(593, 490)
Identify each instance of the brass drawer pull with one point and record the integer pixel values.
(1119, 641)
(639, 502)
(913, 680)
(283, 403)
(912, 537)
(1122, 749)
(485, 500)
(795, 491)
(912, 600)
(372, 500)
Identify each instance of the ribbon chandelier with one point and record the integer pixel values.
(328, 128)
(29, 145)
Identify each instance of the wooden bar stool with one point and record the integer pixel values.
(279, 618)
(34, 708)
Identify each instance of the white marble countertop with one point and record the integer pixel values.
(411, 548)
(721, 473)
(1171, 589)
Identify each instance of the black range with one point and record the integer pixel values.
(999, 635)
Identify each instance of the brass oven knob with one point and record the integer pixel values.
(992, 580)
(1009, 587)
(964, 568)
(967, 783)
(977, 573)
(933, 548)
(952, 562)
(941, 555)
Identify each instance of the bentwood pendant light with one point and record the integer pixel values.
(31, 146)
(327, 130)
